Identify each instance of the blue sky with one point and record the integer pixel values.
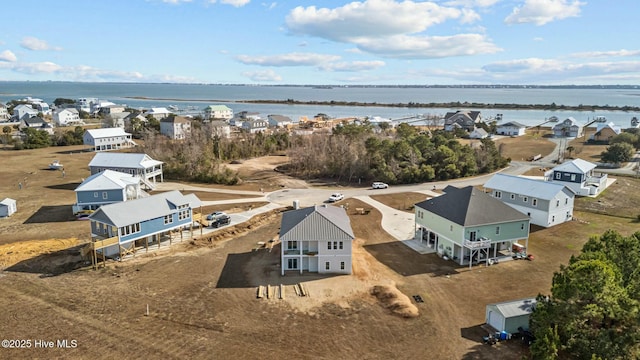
(377, 42)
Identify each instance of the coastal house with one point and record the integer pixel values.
(512, 128)
(111, 109)
(579, 176)
(478, 133)
(605, 132)
(279, 121)
(8, 206)
(464, 119)
(4, 113)
(24, 111)
(115, 120)
(175, 127)
(468, 226)
(134, 121)
(85, 104)
(635, 123)
(509, 316)
(36, 123)
(117, 229)
(107, 139)
(42, 107)
(546, 203)
(316, 239)
(568, 128)
(242, 116)
(106, 187)
(254, 126)
(158, 113)
(223, 112)
(219, 128)
(96, 108)
(137, 164)
(66, 116)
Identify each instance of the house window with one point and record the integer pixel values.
(553, 219)
(522, 226)
(497, 230)
(513, 196)
(498, 194)
(450, 227)
(573, 177)
(566, 201)
(558, 175)
(327, 266)
(183, 214)
(292, 264)
(335, 245)
(341, 265)
(557, 202)
(95, 194)
(534, 202)
(341, 245)
(525, 199)
(168, 219)
(292, 245)
(329, 245)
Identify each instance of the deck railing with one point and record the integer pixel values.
(477, 244)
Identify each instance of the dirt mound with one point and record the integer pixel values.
(391, 298)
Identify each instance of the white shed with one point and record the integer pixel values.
(8, 207)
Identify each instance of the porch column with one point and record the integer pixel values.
(300, 263)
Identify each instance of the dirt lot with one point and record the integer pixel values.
(202, 294)
(523, 147)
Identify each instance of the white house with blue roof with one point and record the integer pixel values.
(316, 239)
(546, 203)
(106, 187)
(117, 229)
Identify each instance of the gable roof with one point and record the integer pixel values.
(570, 121)
(471, 207)
(174, 119)
(158, 110)
(316, 223)
(514, 308)
(123, 160)
(107, 180)
(540, 189)
(7, 202)
(217, 108)
(279, 118)
(513, 124)
(107, 132)
(143, 209)
(576, 166)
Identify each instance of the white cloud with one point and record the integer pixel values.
(614, 53)
(419, 47)
(236, 3)
(538, 39)
(560, 70)
(290, 59)
(270, 6)
(37, 68)
(352, 66)
(370, 19)
(541, 12)
(8, 56)
(472, 3)
(262, 75)
(175, 1)
(35, 44)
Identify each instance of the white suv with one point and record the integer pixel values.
(379, 185)
(336, 197)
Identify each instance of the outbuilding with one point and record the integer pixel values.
(7, 207)
(510, 315)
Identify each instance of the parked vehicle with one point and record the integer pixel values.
(215, 215)
(336, 197)
(221, 221)
(379, 185)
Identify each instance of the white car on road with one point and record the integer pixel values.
(379, 185)
(336, 197)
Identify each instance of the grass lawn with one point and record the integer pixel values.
(523, 147)
(401, 201)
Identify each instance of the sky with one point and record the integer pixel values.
(328, 42)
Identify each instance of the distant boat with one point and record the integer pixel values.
(173, 107)
(55, 165)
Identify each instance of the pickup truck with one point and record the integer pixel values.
(221, 221)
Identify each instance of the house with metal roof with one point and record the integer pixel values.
(175, 127)
(117, 229)
(605, 132)
(579, 176)
(512, 128)
(137, 164)
(316, 239)
(107, 139)
(106, 187)
(66, 116)
(478, 133)
(254, 126)
(510, 315)
(468, 226)
(218, 112)
(159, 113)
(546, 203)
(279, 121)
(568, 128)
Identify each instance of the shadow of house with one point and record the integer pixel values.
(51, 214)
(68, 186)
(473, 333)
(405, 261)
(51, 264)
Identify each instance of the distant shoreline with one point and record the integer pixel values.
(457, 104)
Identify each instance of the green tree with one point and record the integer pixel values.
(6, 131)
(617, 153)
(61, 101)
(34, 139)
(626, 137)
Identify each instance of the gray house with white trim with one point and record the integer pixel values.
(316, 239)
(546, 203)
(136, 164)
(579, 176)
(106, 187)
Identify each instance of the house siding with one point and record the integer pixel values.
(88, 197)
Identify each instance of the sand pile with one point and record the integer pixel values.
(391, 298)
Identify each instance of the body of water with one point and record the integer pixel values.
(194, 97)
